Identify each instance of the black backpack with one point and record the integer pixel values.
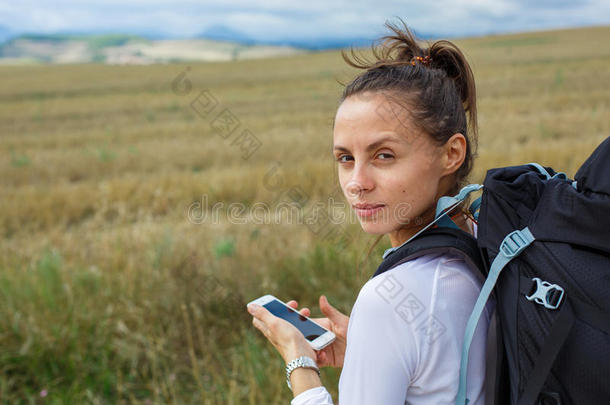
(543, 244)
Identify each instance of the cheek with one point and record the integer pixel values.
(342, 181)
(415, 186)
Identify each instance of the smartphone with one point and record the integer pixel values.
(317, 336)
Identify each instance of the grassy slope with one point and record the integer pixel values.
(108, 293)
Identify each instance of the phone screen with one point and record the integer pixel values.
(310, 329)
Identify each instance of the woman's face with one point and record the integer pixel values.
(383, 160)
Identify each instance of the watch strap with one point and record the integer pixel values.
(303, 361)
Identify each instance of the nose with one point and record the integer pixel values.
(360, 182)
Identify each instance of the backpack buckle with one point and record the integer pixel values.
(546, 294)
(515, 242)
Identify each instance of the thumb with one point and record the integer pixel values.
(328, 310)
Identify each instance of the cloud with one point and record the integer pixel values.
(273, 19)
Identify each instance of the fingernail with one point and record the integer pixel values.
(252, 308)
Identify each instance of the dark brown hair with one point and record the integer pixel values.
(434, 83)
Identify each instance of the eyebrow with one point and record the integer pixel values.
(372, 146)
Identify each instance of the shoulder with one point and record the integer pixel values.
(435, 289)
(432, 296)
(419, 309)
(428, 275)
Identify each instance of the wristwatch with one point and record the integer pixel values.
(303, 361)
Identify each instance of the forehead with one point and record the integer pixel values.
(370, 113)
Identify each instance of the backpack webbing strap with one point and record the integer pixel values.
(572, 308)
(430, 241)
(543, 363)
(512, 245)
(584, 311)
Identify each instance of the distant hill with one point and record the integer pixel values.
(5, 34)
(223, 33)
(130, 49)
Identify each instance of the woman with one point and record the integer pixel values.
(402, 139)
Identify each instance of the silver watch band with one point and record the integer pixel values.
(303, 361)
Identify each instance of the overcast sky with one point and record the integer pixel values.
(273, 19)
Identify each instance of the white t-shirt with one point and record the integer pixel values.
(405, 334)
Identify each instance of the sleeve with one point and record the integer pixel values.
(381, 354)
(313, 396)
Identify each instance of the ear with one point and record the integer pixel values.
(454, 152)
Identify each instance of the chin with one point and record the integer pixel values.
(375, 228)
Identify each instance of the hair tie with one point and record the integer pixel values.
(422, 60)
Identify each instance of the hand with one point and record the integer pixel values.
(335, 321)
(287, 339)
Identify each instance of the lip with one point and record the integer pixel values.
(366, 210)
(367, 205)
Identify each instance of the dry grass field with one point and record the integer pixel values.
(117, 282)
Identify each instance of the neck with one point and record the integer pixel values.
(400, 236)
(403, 234)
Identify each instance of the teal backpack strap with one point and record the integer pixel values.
(540, 169)
(474, 208)
(545, 173)
(443, 207)
(446, 204)
(512, 245)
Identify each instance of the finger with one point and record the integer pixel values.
(260, 326)
(325, 322)
(328, 309)
(321, 359)
(261, 313)
(294, 304)
(257, 322)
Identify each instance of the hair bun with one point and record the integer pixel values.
(401, 47)
(450, 59)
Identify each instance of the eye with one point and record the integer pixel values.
(339, 159)
(386, 154)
